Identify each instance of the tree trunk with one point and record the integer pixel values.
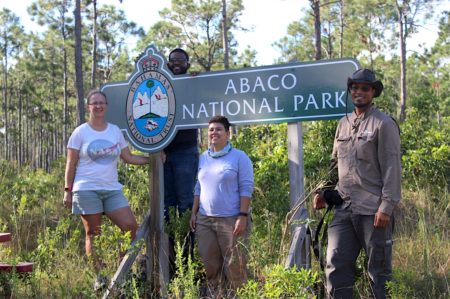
(341, 25)
(94, 46)
(372, 66)
(315, 4)
(65, 133)
(53, 127)
(330, 42)
(226, 53)
(79, 64)
(27, 134)
(402, 35)
(20, 133)
(5, 98)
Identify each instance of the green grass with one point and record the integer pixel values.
(45, 233)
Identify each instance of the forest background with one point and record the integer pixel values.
(44, 78)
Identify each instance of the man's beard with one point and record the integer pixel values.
(362, 105)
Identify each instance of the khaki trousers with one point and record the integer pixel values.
(223, 255)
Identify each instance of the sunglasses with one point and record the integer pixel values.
(362, 88)
(177, 60)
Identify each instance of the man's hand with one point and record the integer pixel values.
(240, 226)
(381, 219)
(319, 202)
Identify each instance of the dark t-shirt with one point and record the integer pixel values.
(184, 140)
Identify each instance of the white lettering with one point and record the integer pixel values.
(230, 85)
(186, 110)
(326, 97)
(264, 105)
(269, 82)
(249, 106)
(287, 76)
(298, 99)
(258, 83)
(252, 106)
(238, 107)
(288, 81)
(339, 99)
(276, 106)
(311, 101)
(245, 87)
(202, 109)
(213, 107)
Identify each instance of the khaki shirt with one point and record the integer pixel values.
(367, 149)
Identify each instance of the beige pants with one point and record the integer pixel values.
(223, 255)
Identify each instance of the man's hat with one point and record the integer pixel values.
(368, 77)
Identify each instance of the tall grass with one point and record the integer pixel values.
(422, 247)
(45, 233)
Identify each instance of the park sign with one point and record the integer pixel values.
(154, 104)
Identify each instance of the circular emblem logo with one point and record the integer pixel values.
(103, 151)
(150, 107)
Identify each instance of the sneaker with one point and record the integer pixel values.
(100, 283)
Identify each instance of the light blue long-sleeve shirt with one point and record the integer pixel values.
(222, 181)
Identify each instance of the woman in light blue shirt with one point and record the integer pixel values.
(220, 210)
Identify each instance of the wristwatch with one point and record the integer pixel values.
(68, 189)
(243, 214)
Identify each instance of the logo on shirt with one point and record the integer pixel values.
(150, 104)
(103, 151)
(367, 133)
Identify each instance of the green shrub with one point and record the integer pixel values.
(426, 152)
(279, 282)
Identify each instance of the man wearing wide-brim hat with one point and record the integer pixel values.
(367, 150)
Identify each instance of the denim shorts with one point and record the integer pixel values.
(88, 202)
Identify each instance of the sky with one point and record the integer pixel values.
(268, 22)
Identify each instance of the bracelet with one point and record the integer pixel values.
(68, 189)
(243, 214)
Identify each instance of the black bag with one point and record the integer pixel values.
(332, 199)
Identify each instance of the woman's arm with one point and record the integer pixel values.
(246, 183)
(71, 166)
(241, 223)
(130, 158)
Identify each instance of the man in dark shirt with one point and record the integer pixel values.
(180, 158)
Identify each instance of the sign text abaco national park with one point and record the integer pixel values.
(154, 104)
